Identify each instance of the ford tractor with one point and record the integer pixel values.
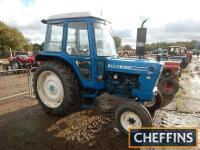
(79, 63)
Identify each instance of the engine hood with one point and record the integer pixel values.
(133, 65)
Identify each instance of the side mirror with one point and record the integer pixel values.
(44, 21)
(141, 40)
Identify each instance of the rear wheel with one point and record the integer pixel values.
(168, 86)
(130, 115)
(56, 88)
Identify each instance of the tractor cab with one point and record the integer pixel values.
(84, 41)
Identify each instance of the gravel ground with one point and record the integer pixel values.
(184, 110)
(24, 126)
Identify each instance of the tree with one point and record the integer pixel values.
(28, 46)
(127, 47)
(118, 42)
(10, 38)
(38, 47)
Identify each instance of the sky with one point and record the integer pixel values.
(168, 20)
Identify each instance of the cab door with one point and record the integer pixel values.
(78, 49)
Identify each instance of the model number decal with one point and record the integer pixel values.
(125, 67)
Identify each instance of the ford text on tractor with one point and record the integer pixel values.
(79, 63)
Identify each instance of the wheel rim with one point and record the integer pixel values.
(50, 89)
(129, 119)
(15, 65)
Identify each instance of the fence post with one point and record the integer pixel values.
(30, 83)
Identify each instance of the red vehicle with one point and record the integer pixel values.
(169, 80)
(21, 60)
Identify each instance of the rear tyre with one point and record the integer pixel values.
(168, 86)
(131, 114)
(56, 88)
(15, 65)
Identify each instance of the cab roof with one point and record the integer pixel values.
(74, 15)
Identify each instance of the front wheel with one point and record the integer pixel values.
(131, 114)
(156, 103)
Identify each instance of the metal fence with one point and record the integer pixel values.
(16, 82)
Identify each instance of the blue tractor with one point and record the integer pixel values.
(79, 63)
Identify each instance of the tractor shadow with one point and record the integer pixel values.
(30, 128)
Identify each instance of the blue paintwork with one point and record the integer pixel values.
(147, 79)
(141, 67)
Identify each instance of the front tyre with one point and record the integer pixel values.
(155, 104)
(131, 114)
(56, 88)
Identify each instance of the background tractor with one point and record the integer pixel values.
(21, 60)
(79, 63)
(169, 80)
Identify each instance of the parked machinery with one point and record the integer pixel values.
(22, 60)
(169, 80)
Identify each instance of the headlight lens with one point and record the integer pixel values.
(151, 69)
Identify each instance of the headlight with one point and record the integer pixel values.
(115, 76)
(151, 69)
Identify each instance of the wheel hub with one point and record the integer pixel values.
(130, 119)
(52, 89)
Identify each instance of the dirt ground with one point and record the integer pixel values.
(24, 126)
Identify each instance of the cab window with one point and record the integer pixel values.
(77, 39)
(54, 37)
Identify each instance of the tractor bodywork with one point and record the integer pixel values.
(184, 60)
(171, 69)
(136, 78)
(79, 62)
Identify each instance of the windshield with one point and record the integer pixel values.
(104, 41)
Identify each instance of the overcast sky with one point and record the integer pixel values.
(169, 20)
